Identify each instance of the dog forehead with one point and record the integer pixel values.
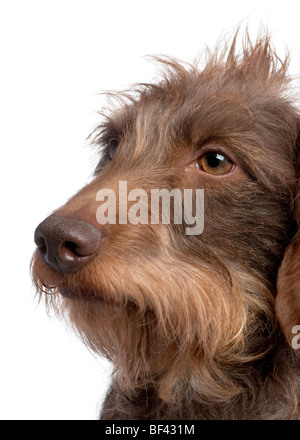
(236, 100)
(224, 84)
(195, 106)
(193, 112)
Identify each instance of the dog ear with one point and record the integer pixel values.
(288, 293)
(288, 281)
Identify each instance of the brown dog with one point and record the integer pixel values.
(190, 321)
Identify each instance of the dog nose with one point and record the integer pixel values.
(66, 244)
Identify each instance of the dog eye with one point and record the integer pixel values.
(214, 163)
(112, 147)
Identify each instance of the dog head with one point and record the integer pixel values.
(161, 304)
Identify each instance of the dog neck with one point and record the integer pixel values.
(274, 374)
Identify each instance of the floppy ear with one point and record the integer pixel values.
(288, 293)
(288, 281)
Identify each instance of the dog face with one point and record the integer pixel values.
(135, 291)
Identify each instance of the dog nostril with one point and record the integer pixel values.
(66, 244)
(70, 246)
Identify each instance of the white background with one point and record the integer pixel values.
(55, 58)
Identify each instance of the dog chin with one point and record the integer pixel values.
(66, 292)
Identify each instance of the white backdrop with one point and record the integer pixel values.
(55, 57)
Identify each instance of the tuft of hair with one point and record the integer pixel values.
(255, 65)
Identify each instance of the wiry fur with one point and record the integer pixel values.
(189, 321)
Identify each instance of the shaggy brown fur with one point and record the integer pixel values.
(189, 322)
